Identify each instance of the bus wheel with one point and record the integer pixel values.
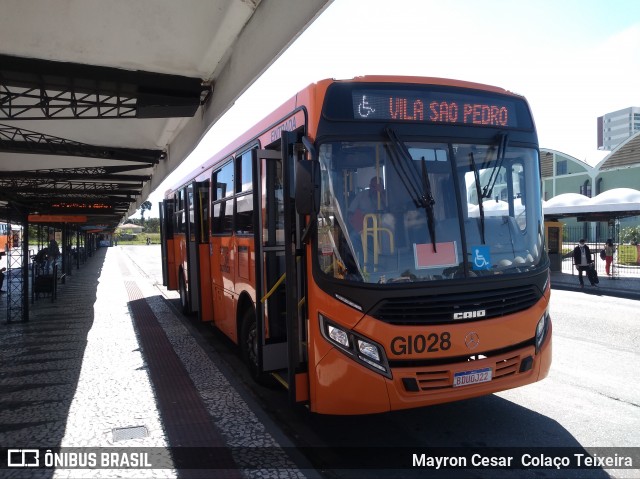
(249, 347)
(184, 297)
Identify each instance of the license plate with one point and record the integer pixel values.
(467, 378)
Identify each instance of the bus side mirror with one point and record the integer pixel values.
(307, 191)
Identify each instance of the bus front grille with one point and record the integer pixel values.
(442, 378)
(419, 310)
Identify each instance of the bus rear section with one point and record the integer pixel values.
(185, 247)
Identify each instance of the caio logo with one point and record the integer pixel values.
(480, 313)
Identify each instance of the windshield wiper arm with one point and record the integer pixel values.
(420, 194)
(408, 178)
(503, 139)
(428, 202)
(479, 194)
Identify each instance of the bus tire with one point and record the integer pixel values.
(249, 346)
(184, 296)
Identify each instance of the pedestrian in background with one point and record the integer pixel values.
(2, 279)
(609, 249)
(584, 262)
(53, 251)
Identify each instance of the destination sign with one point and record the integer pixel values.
(37, 218)
(434, 107)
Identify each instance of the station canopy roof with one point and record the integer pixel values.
(101, 101)
(608, 205)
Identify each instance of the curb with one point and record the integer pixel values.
(599, 291)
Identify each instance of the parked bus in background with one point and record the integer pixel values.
(375, 244)
(10, 236)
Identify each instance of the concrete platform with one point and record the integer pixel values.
(625, 284)
(110, 364)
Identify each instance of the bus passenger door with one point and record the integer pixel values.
(192, 255)
(270, 261)
(281, 326)
(295, 265)
(169, 271)
(198, 250)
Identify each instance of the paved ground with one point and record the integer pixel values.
(624, 284)
(60, 387)
(110, 365)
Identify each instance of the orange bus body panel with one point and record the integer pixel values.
(344, 387)
(172, 269)
(341, 386)
(206, 300)
(222, 281)
(245, 264)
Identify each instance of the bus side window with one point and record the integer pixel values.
(190, 207)
(177, 213)
(244, 173)
(244, 199)
(182, 221)
(222, 208)
(203, 198)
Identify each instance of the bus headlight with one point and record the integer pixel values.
(338, 335)
(361, 349)
(369, 350)
(541, 329)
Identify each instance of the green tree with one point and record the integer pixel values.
(152, 225)
(146, 206)
(630, 234)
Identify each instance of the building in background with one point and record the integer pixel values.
(602, 171)
(617, 126)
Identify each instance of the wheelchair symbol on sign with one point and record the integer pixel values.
(364, 109)
(481, 258)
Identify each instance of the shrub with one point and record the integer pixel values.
(630, 235)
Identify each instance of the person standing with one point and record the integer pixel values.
(53, 252)
(583, 260)
(609, 249)
(2, 274)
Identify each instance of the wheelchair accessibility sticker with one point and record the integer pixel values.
(481, 258)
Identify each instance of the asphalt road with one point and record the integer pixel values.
(591, 399)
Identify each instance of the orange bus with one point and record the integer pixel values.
(10, 236)
(375, 244)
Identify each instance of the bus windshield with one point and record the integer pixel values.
(409, 211)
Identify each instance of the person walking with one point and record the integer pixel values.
(609, 249)
(583, 260)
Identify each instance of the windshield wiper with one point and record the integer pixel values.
(503, 140)
(428, 202)
(476, 175)
(420, 193)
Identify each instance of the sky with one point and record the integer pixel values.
(573, 60)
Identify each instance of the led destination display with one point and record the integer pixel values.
(436, 107)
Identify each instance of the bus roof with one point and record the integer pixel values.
(292, 104)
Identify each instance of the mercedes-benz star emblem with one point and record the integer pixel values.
(472, 340)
